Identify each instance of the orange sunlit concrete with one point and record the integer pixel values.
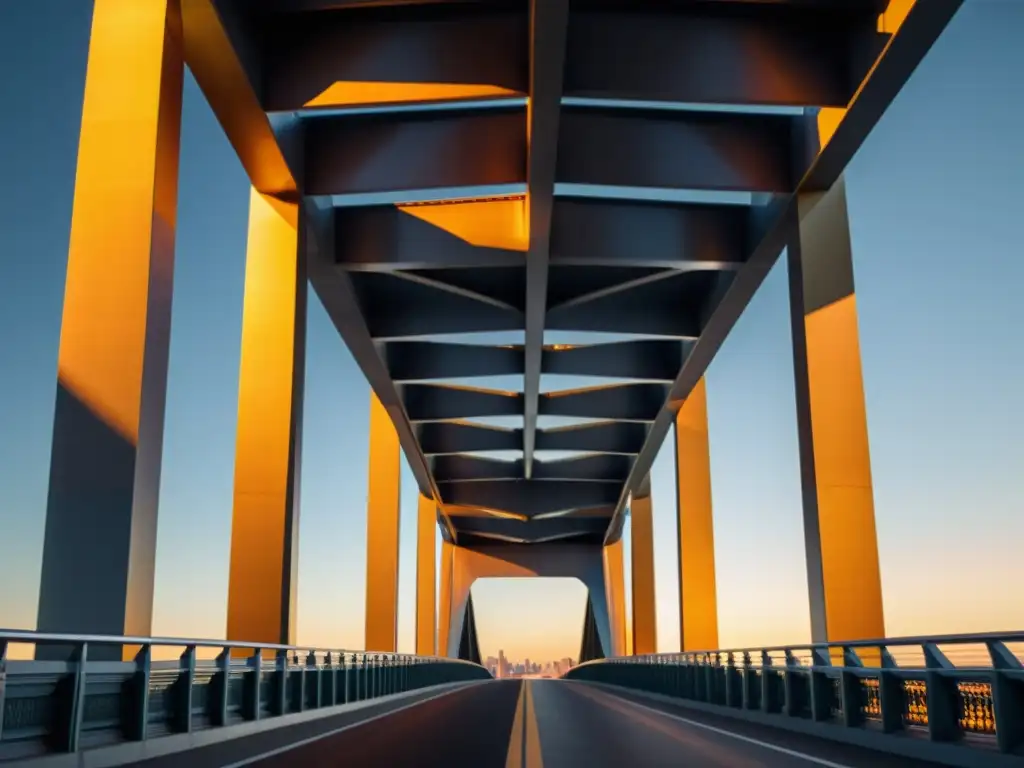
(644, 624)
(844, 580)
(615, 586)
(352, 93)
(262, 583)
(426, 576)
(115, 329)
(382, 525)
(698, 603)
(494, 223)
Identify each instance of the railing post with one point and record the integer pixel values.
(1007, 698)
(280, 686)
(750, 700)
(790, 685)
(136, 713)
(891, 698)
(941, 695)
(820, 685)
(218, 705)
(3, 684)
(186, 682)
(769, 700)
(70, 730)
(251, 699)
(314, 670)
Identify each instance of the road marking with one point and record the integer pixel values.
(721, 731)
(335, 731)
(532, 747)
(514, 759)
(524, 740)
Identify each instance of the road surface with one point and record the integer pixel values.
(538, 724)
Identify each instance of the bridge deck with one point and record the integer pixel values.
(529, 724)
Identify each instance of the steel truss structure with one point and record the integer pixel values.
(610, 166)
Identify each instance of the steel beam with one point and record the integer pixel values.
(530, 497)
(435, 402)
(548, 20)
(263, 573)
(725, 151)
(620, 402)
(903, 53)
(531, 531)
(394, 308)
(668, 307)
(464, 234)
(717, 53)
(595, 232)
(348, 155)
(596, 467)
(441, 437)
(647, 359)
(339, 300)
(356, 58)
(221, 50)
(99, 542)
(418, 360)
(625, 437)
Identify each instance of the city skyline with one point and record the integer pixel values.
(933, 225)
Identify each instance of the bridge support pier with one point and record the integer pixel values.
(462, 566)
(615, 589)
(698, 602)
(645, 628)
(382, 528)
(426, 577)
(844, 581)
(265, 522)
(101, 518)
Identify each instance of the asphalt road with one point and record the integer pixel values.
(546, 724)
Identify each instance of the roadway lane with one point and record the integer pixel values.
(467, 728)
(580, 724)
(553, 724)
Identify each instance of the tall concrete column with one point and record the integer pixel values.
(382, 519)
(445, 596)
(265, 523)
(698, 603)
(426, 577)
(615, 589)
(645, 630)
(101, 516)
(844, 582)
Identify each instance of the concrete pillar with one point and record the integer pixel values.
(645, 632)
(844, 582)
(698, 603)
(265, 523)
(426, 577)
(382, 520)
(101, 517)
(445, 596)
(615, 589)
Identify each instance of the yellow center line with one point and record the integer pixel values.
(524, 741)
(515, 742)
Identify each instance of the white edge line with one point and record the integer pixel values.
(731, 734)
(334, 731)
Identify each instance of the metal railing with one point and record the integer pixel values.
(81, 702)
(955, 688)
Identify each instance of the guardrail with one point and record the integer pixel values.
(966, 689)
(66, 706)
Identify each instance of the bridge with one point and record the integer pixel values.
(434, 170)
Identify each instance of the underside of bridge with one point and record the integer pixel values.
(609, 166)
(537, 170)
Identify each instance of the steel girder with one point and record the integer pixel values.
(643, 187)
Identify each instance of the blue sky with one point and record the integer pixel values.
(934, 203)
